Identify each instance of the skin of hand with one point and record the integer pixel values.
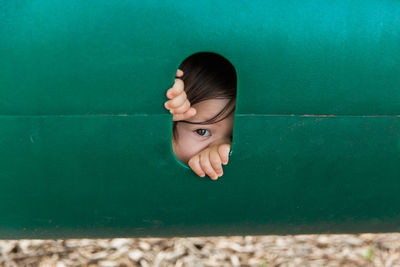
(203, 147)
(210, 160)
(178, 104)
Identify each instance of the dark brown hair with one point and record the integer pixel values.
(209, 76)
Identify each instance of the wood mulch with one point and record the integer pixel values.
(261, 251)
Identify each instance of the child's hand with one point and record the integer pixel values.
(209, 161)
(178, 104)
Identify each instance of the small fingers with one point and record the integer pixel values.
(184, 116)
(179, 73)
(182, 108)
(176, 89)
(194, 164)
(216, 162)
(176, 102)
(223, 151)
(206, 165)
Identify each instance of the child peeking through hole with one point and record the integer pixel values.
(202, 101)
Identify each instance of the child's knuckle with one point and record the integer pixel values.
(215, 161)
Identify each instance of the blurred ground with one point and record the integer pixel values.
(262, 251)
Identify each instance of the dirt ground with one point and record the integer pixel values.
(262, 251)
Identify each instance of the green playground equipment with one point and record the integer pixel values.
(85, 142)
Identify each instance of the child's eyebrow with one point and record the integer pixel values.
(197, 122)
(204, 122)
(200, 119)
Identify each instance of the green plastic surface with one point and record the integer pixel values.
(85, 142)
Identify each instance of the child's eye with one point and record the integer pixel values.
(203, 132)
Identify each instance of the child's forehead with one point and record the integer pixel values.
(208, 109)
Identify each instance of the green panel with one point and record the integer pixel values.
(100, 176)
(85, 141)
(292, 57)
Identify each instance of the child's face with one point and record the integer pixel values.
(193, 138)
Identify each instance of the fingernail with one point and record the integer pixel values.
(171, 111)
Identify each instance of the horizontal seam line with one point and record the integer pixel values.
(307, 115)
(169, 115)
(89, 115)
